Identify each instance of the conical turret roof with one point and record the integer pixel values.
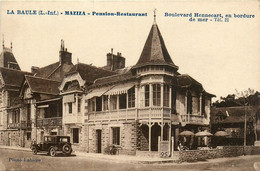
(154, 51)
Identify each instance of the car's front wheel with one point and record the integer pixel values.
(67, 149)
(52, 152)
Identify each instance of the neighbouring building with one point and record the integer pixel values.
(40, 97)
(232, 120)
(13, 125)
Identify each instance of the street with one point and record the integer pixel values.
(23, 160)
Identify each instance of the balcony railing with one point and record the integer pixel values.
(22, 125)
(131, 114)
(193, 119)
(55, 121)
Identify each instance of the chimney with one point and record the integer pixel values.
(65, 56)
(34, 69)
(115, 62)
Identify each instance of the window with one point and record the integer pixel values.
(147, 95)
(122, 101)
(99, 104)
(28, 112)
(131, 97)
(28, 135)
(79, 105)
(113, 102)
(63, 139)
(203, 104)
(189, 104)
(105, 100)
(53, 133)
(75, 132)
(174, 96)
(92, 105)
(198, 103)
(70, 107)
(116, 135)
(156, 95)
(166, 95)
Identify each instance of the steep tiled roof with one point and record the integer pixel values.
(13, 77)
(154, 51)
(54, 71)
(90, 73)
(185, 80)
(47, 70)
(114, 79)
(42, 85)
(8, 57)
(233, 114)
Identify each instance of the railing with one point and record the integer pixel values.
(22, 125)
(55, 121)
(130, 114)
(192, 119)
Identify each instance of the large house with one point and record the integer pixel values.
(130, 107)
(135, 109)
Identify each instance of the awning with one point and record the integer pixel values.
(97, 92)
(120, 89)
(48, 100)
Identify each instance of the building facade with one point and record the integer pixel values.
(135, 109)
(132, 107)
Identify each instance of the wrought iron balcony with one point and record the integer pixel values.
(55, 121)
(22, 125)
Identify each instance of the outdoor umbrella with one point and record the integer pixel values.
(186, 133)
(203, 134)
(221, 134)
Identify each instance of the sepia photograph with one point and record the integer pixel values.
(130, 85)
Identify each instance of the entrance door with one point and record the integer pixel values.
(99, 141)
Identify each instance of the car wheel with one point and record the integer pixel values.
(66, 149)
(52, 152)
(34, 150)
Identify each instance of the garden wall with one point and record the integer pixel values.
(226, 151)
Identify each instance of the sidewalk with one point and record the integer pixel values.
(110, 158)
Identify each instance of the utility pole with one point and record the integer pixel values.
(245, 126)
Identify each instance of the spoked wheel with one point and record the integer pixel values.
(67, 149)
(52, 152)
(34, 150)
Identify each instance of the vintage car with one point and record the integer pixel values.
(52, 145)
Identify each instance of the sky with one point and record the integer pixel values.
(223, 56)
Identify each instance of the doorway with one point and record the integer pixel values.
(99, 134)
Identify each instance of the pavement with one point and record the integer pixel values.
(112, 158)
(146, 160)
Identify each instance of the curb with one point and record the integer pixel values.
(18, 149)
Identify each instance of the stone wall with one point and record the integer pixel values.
(143, 138)
(227, 151)
(10, 138)
(128, 137)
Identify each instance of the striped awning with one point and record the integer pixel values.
(120, 89)
(97, 92)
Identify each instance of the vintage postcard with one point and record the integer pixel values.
(130, 85)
